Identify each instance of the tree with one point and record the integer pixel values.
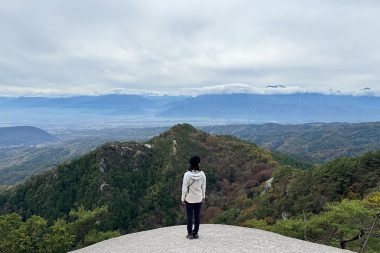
(341, 224)
(9, 226)
(85, 221)
(95, 236)
(31, 234)
(58, 239)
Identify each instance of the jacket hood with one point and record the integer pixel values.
(196, 175)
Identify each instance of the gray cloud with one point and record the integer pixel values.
(93, 46)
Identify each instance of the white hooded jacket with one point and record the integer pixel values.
(194, 186)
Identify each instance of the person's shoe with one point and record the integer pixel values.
(189, 236)
(195, 236)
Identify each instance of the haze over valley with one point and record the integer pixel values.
(95, 112)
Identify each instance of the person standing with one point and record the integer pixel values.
(193, 194)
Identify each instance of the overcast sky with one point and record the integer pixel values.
(94, 47)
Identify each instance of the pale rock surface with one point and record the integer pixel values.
(212, 238)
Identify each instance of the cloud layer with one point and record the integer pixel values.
(94, 47)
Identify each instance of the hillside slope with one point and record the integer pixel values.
(334, 204)
(19, 163)
(213, 238)
(295, 192)
(23, 135)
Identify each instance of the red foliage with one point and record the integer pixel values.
(262, 175)
(252, 183)
(210, 213)
(261, 167)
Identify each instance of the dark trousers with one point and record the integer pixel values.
(193, 208)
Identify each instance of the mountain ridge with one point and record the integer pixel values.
(308, 107)
(203, 109)
(24, 135)
(163, 158)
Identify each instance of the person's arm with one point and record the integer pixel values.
(184, 188)
(204, 186)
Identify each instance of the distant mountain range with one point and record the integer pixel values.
(139, 110)
(24, 135)
(313, 142)
(289, 108)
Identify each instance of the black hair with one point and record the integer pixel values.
(194, 163)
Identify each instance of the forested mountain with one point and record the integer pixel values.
(23, 135)
(140, 182)
(312, 142)
(136, 186)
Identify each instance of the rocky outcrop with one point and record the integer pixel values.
(212, 238)
(268, 184)
(102, 165)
